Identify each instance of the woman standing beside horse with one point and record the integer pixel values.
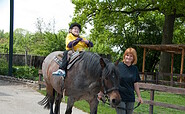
(129, 77)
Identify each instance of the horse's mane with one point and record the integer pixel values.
(91, 63)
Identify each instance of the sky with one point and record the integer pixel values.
(26, 13)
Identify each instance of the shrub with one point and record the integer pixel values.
(3, 66)
(26, 72)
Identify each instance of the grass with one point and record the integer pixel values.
(143, 108)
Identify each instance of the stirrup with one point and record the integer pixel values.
(59, 73)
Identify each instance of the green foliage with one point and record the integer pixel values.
(3, 42)
(171, 6)
(49, 42)
(179, 33)
(55, 42)
(120, 24)
(3, 66)
(2, 34)
(116, 29)
(26, 72)
(22, 40)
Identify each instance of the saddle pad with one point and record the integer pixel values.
(74, 57)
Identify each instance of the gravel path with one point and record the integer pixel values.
(17, 98)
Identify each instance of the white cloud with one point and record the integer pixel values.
(26, 13)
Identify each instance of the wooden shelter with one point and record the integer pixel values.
(170, 48)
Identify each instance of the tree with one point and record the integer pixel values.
(22, 41)
(53, 42)
(1, 34)
(117, 15)
(46, 40)
(3, 42)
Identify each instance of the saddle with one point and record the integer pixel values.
(73, 57)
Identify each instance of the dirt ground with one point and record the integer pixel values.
(19, 98)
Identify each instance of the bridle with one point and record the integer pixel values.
(105, 90)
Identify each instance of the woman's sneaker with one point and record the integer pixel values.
(59, 72)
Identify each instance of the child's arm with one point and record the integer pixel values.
(88, 43)
(74, 42)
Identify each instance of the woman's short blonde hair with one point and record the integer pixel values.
(133, 52)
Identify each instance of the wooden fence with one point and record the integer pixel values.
(154, 87)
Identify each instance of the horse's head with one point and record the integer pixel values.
(110, 82)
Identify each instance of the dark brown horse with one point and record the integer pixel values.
(88, 76)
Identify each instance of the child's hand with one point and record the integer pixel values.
(79, 39)
(86, 41)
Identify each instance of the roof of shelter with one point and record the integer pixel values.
(170, 48)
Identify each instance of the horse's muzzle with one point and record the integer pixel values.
(114, 102)
(114, 98)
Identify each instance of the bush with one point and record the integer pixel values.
(3, 66)
(26, 72)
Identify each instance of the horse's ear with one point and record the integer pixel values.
(102, 63)
(117, 62)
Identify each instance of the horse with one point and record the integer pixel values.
(84, 80)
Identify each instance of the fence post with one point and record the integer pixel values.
(151, 99)
(145, 73)
(157, 76)
(40, 79)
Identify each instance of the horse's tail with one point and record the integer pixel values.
(47, 100)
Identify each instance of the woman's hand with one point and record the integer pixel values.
(140, 100)
(100, 96)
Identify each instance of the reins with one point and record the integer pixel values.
(105, 102)
(138, 104)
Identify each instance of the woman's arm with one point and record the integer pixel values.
(136, 87)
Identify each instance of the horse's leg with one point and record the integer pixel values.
(70, 103)
(93, 105)
(51, 101)
(57, 103)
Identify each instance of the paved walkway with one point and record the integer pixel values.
(16, 98)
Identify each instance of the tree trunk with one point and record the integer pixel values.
(164, 65)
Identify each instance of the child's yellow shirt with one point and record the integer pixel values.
(80, 46)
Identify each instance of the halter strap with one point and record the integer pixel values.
(106, 91)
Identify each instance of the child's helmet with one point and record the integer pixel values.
(75, 24)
